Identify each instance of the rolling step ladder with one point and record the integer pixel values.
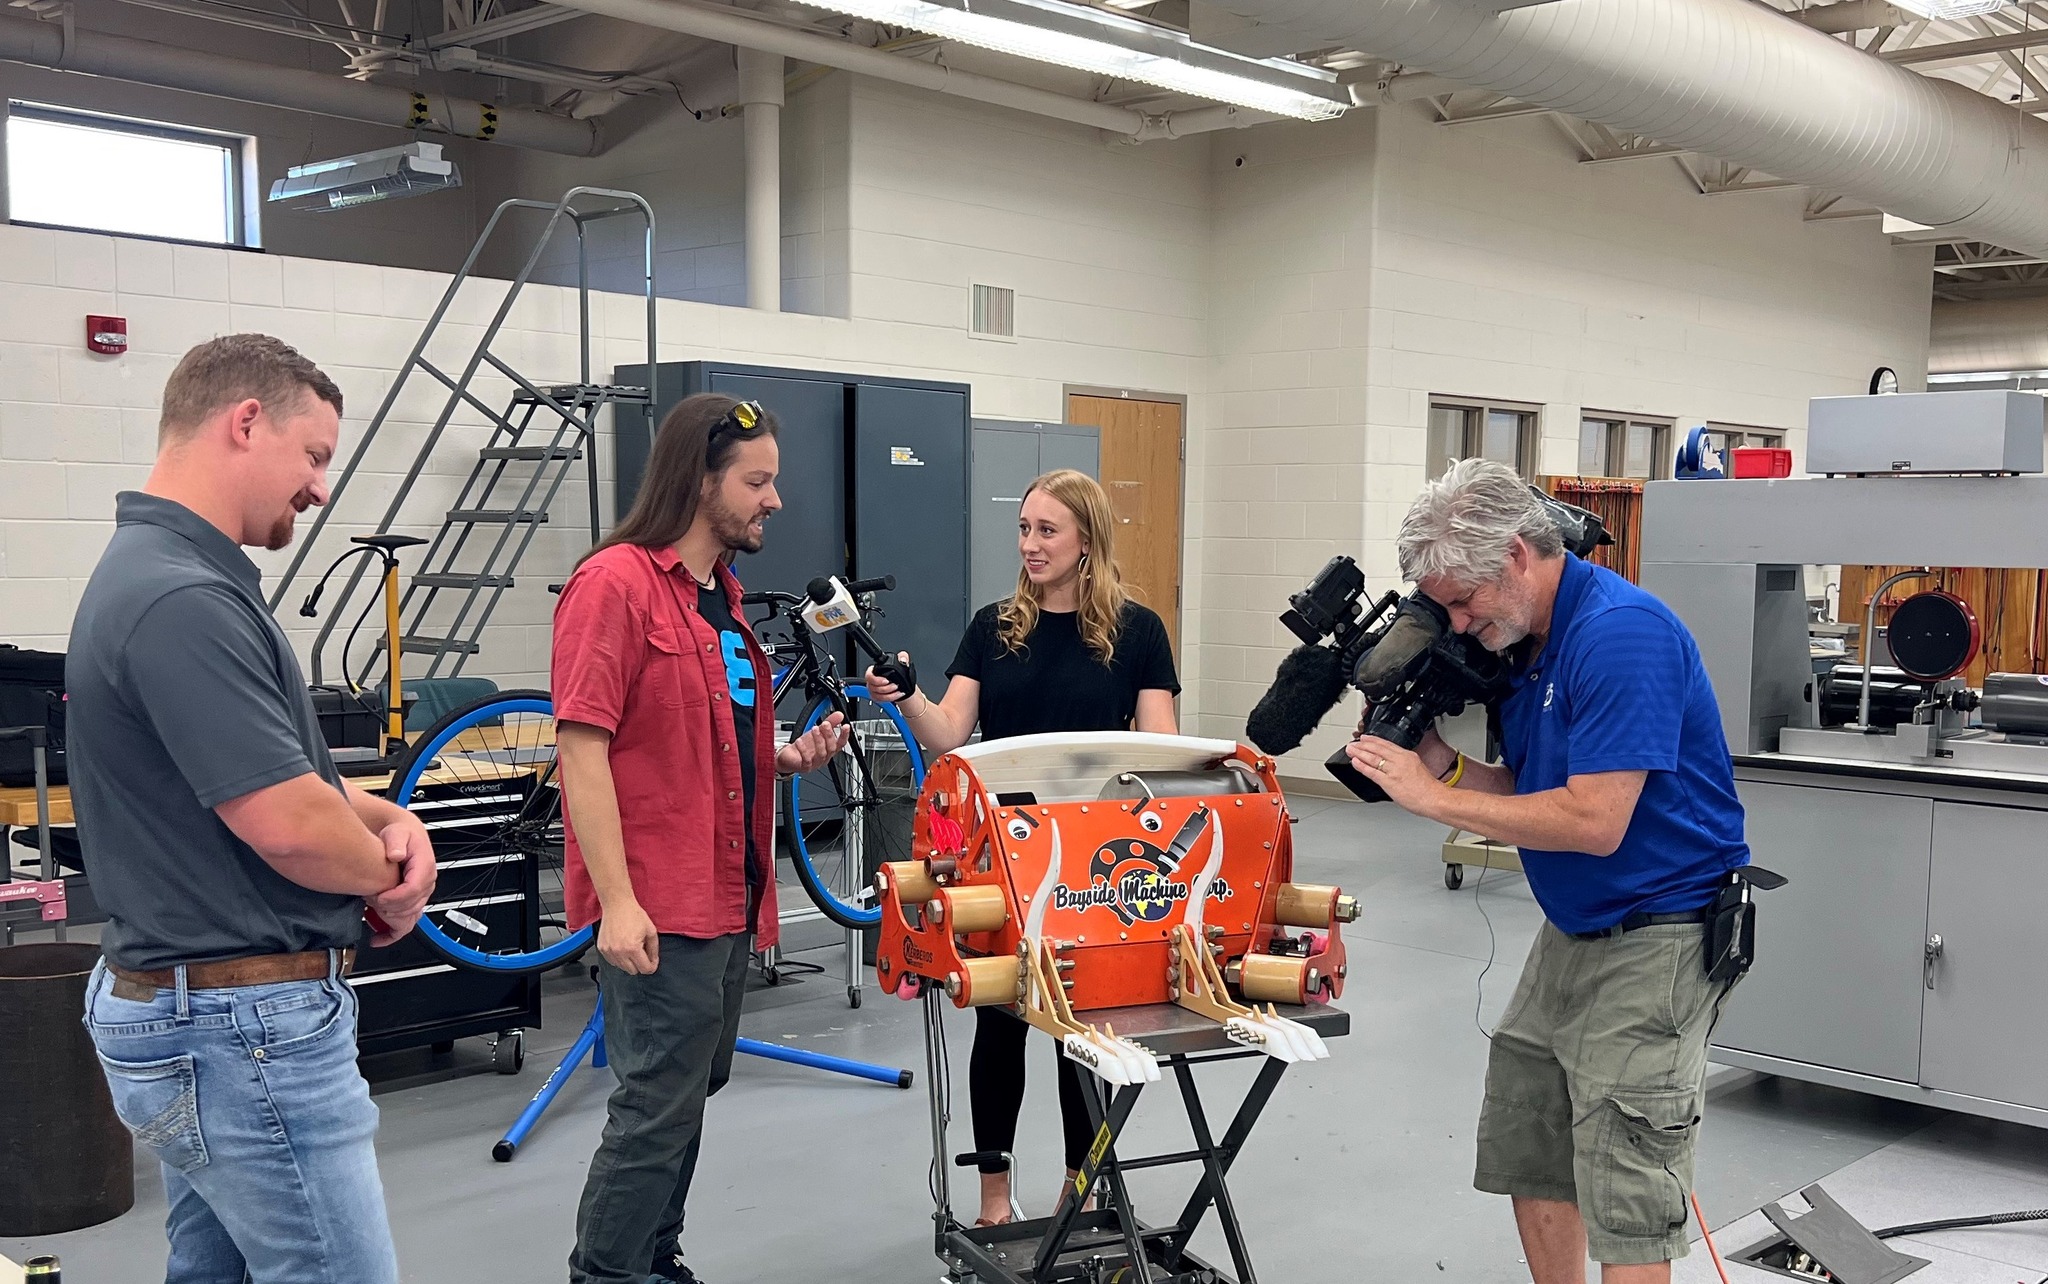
(536, 441)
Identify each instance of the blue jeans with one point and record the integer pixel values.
(250, 1099)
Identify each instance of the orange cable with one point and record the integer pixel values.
(1712, 1252)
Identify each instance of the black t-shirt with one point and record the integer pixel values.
(1054, 682)
(743, 693)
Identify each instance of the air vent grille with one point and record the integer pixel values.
(995, 312)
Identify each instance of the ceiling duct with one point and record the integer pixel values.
(1727, 78)
(394, 172)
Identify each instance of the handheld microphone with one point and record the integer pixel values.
(1307, 686)
(831, 607)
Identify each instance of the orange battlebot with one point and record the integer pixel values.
(1065, 874)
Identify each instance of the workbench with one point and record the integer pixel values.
(1074, 1247)
(18, 806)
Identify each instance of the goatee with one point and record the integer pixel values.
(281, 533)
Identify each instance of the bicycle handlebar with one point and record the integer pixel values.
(769, 597)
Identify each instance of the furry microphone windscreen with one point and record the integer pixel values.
(1307, 685)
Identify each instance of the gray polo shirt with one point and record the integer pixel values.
(184, 694)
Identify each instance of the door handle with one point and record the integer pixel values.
(1930, 955)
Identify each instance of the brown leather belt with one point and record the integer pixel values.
(263, 969)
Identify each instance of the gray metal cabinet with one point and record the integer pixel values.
(909, 466)
(1986, 1027)
(1008, 455)
(1837, 978)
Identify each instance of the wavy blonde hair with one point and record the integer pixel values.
(1102, 594)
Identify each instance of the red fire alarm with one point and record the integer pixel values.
(107, 334)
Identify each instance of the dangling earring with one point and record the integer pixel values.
(1084, 566)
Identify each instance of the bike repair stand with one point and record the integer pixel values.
(590, 1043)
(1075, 1247)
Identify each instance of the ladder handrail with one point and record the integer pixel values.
(629, 204)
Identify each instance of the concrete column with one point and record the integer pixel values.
(760, 101)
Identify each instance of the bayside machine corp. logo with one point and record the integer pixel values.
(1135, 879)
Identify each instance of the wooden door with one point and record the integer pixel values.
(1141, 470)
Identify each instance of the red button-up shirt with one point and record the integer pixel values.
(633, 655)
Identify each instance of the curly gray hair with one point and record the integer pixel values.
(1463, 524)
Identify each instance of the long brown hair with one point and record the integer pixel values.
(1102, 591)
(684, 454)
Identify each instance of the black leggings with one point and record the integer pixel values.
(995, 1087)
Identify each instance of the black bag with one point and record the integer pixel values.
(31, 695)
(1731, 923)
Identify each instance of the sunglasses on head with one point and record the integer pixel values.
(744, 417)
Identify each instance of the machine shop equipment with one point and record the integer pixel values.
(1909, 809)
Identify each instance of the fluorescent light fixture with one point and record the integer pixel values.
(412, 170)
(1952, 8)
(1110, 44)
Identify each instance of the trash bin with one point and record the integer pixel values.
(65, 1159)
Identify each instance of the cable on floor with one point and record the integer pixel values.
(1708, 1235)
(1492, 948)
(1962, 1223)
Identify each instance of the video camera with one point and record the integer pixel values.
(1401, 654)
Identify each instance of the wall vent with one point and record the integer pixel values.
(995, 312)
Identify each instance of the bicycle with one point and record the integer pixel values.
(483, 779)
(843, 820)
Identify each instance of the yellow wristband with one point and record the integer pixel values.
(1457, 772)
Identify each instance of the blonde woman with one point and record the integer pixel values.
(1068, 651)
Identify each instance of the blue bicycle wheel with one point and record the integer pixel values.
(855, 813)
(484, 782)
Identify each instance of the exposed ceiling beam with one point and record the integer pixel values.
(1973, 256)
(511, 24)
(1965, 51)
(147, 62)
(1506, 111)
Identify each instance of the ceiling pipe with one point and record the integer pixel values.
(760, 104)
(62, 47)
(1853, 15)
(729, 27)
(1730, 79)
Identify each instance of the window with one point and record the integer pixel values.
(110, 175)
(1726, 437)
(1462, 429)
(1624, 446)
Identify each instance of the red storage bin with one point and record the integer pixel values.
(1759, 461)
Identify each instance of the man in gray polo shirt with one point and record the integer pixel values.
(234, 863)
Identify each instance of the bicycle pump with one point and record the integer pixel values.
(386, 548)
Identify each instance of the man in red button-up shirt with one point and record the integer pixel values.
(665, 726)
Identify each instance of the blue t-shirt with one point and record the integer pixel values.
(1619, 686)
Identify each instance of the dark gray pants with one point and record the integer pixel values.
(669, 1037)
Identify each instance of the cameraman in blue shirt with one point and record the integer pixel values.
(1619, 790)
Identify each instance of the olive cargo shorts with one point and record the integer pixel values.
(1593, 1088)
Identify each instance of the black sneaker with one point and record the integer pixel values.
(669, 1266)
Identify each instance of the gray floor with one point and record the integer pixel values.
(1359, 1170)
